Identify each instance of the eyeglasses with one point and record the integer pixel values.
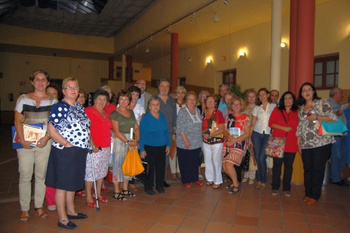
(71, 88)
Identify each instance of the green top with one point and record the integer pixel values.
(125, 123)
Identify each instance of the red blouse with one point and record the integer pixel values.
(292, 119)
(110, 108)
(101, 127)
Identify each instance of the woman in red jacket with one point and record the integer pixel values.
(284, 122)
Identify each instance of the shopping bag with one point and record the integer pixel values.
(132, 165)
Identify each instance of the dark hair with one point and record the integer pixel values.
(301, 100)
(39, 72)
(57, 88)
(135, 89)
(163, 80)
(124, 93)
(281, 105)
(99, 92)
(258, 102)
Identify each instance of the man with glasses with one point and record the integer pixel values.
(145, 96)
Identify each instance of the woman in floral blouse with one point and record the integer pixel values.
(314, 149)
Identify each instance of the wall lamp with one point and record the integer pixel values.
(209, 61)
(283, 44)
(242, 54)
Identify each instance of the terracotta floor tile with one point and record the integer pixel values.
(178, 211)
(322, 229)
(270, 223)
(171, 219)
(250, 212)
(140, 205)
(196, 213)
(149, 215)
(244, 229)
(244, 220)
(218, 227)
(297, 227)
(117, 222)
(103, 229)
(226, 208)
(270, 214)
(138, 225)
(292, 209)
(269, 206)
(187, 230)
(158, 208)
(223, 217)
(184, 203)
(342, 230)
(128, 213)
(294, 217)
(194, 224)
(165, 201)
(318, 220)
(341, 223)
(158, 227)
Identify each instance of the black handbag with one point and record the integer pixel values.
(145, 173)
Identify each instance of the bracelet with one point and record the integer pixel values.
(127, 142)
(65, 144)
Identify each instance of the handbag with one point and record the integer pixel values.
(132, 165)
(332, 128)
(143, 175)
(236, 155)
(275, 145)
(253, 166)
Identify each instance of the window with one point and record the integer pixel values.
(229, 77)
(326, 71)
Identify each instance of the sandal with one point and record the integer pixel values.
(102, 199)
(216, 186)
(91, 204)
(120, 196)
(209, 183)
(233, 189)
(41, 213)
(127, 193)
(24, 217)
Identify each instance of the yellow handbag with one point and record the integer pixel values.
(132, 165)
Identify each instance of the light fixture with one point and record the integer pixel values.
(283, 44)
(168, 30)
(242, 54)
(216, 18)
(147, 49)
(193, 16)
(209, 61)
(226, 2)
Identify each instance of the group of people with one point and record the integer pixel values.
(231, 134)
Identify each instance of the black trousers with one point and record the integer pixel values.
(156, 162)
(287, 160)
(314, 167)
(188, 163)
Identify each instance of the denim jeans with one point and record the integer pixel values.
(259, 143)
(338, 158)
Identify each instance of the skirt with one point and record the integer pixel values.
(101, 160)
(120, 149)
(66, 168)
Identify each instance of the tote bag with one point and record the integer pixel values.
(332, 128)
(132, 165)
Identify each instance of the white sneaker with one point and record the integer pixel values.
(203, 165)
(244, 180)
(51, 207)
(251, 182)
(200, 177)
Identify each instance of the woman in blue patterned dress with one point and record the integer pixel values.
(69, 128)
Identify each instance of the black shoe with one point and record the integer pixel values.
(166, 184)
(78, 216)
(341, 183)
(70, 225)
(150, 192)
(161, 190)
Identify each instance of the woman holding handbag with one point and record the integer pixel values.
(123, 119)
(315, 150)
(284, 122)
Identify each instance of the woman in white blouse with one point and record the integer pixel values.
(261, 133)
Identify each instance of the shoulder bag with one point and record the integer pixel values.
(275, 145)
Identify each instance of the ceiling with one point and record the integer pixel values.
(108, 18)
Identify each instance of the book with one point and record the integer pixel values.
(235, 132)
(31, 132)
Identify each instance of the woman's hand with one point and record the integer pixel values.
(167, 151)
(143, 154)
(96, 149)
(311, 117)
(251, 143)
(26, 144)
(299, 145)
(287, 129)
(133, 144)
(206, 136)
(42, 142)
(187, 145)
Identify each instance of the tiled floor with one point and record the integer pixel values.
(196, 209)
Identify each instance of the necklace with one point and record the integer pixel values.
(192, 112)
(68, 102)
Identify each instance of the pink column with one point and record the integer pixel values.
(174, 60)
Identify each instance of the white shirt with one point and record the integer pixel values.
(262, 118)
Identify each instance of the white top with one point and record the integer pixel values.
(262, 118)
(138, 112)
